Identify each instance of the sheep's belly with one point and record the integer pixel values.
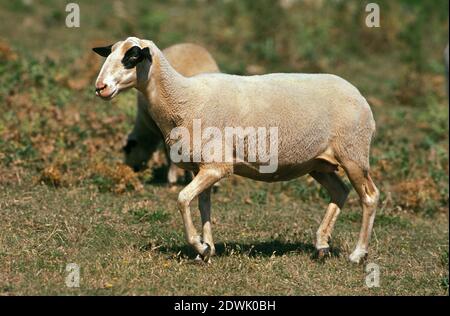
(283, 172)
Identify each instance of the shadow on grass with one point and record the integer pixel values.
(258, 249)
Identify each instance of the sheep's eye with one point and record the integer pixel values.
(132, 57)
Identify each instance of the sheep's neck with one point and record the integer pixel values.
(168, 94)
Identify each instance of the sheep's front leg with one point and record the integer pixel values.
(203, 181)
(204, 204)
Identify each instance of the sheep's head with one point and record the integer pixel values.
(127, 65)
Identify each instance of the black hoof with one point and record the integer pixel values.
(322, 254)
(364, 259)
(206, 253)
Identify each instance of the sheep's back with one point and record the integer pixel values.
(309, 110)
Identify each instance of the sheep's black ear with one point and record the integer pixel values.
(103, 51)
(146, 54)
(134, 56)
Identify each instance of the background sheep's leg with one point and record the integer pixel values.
(204, 204)
(338, 192)
(172, 174)
(203, 181)
(368, 194)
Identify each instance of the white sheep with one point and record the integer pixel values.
(189, 60)
(323, 122)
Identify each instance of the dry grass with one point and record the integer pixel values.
(133, 244)
(66, 197)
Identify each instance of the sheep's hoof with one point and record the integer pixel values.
(198, 259)
(358, 256)
(323, 253)
(206, 256)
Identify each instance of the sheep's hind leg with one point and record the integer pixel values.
(203, 181)
(338, 192)
(369, 195)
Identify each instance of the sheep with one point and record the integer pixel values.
(188, 59)
(323, 123)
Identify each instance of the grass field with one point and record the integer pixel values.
(66, 197)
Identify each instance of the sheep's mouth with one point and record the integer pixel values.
(107, 96)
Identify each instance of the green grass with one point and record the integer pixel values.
(65, 196)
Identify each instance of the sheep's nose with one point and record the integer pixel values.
(100, 86)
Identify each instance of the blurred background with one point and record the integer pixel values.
(47, 72)
(56, 137)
